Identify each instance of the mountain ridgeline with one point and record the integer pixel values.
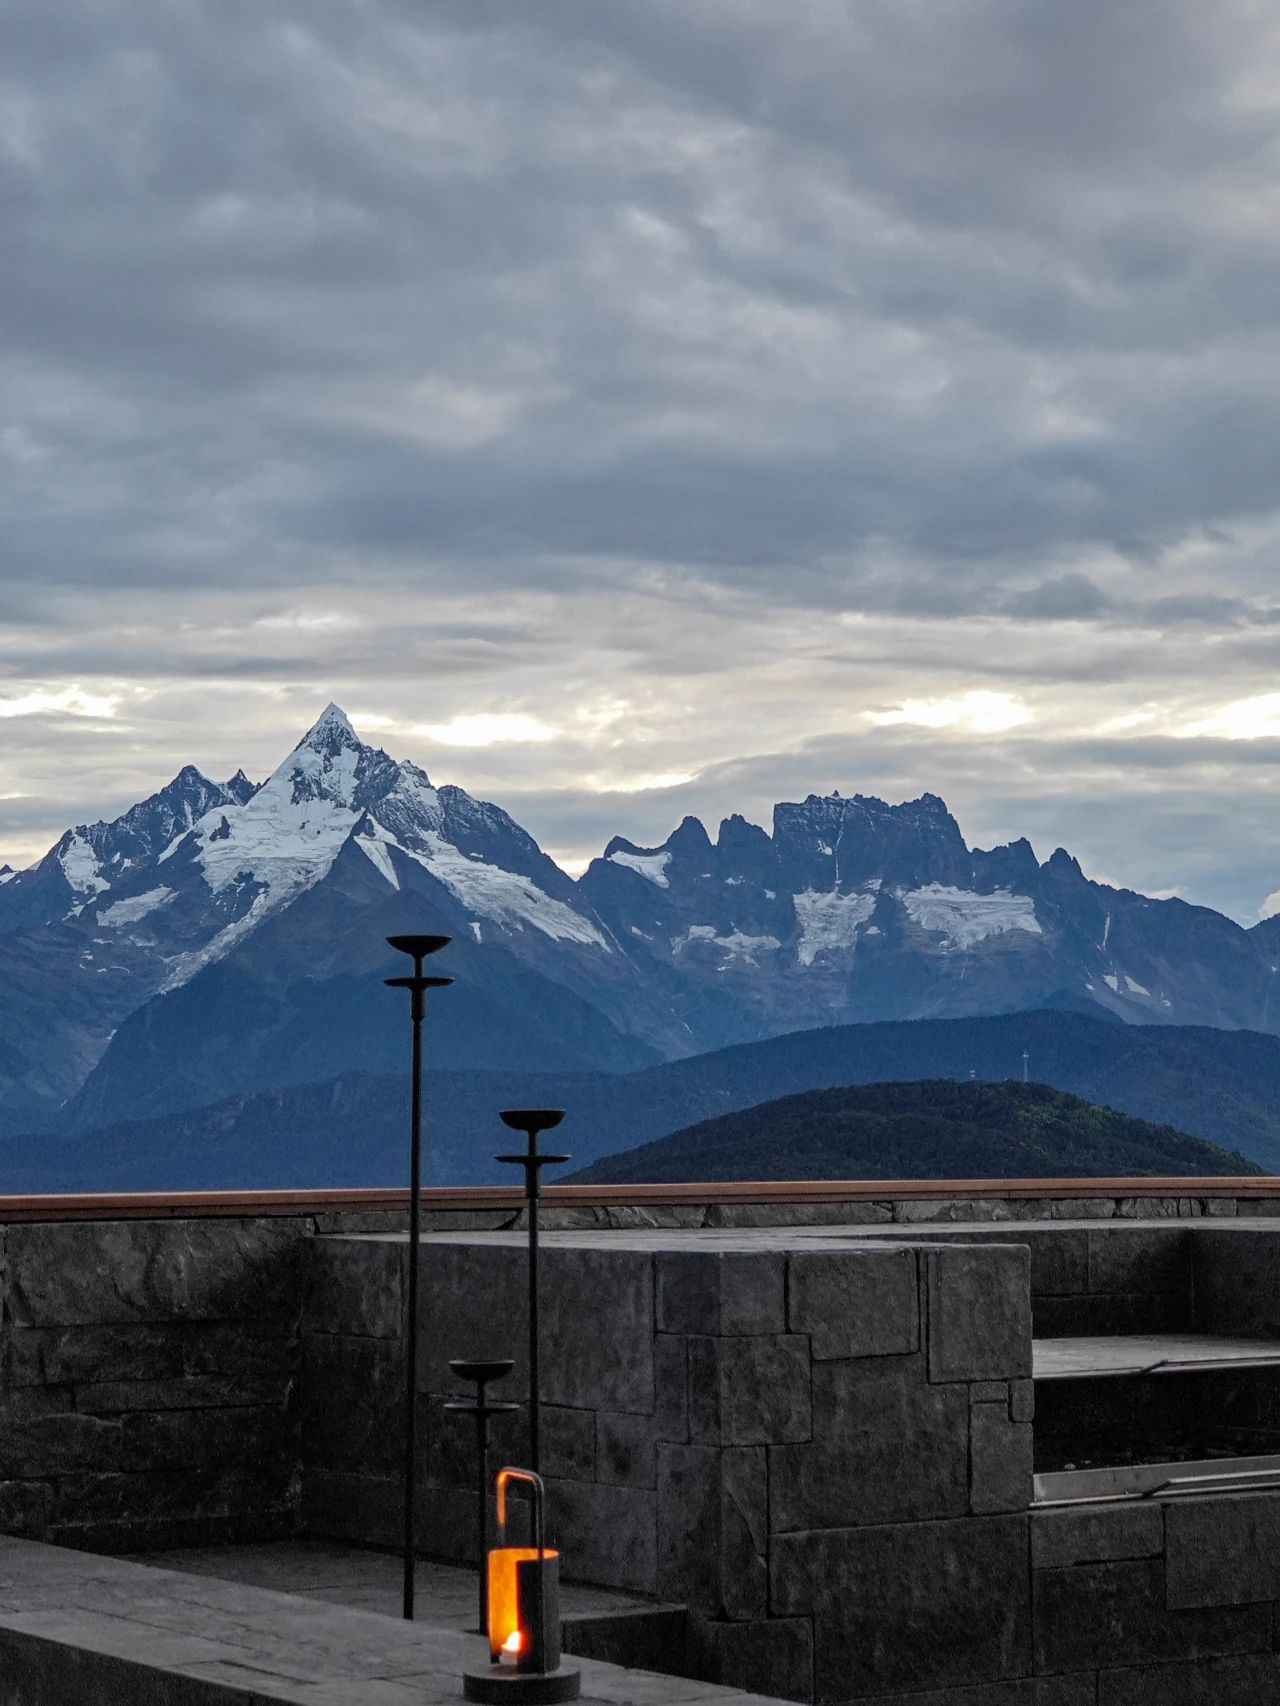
(224, 940)
(933, 1129)
(1223, 1087)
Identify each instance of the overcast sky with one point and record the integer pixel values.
(634, 407)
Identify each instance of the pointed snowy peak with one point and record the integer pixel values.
(330, 732)
(6, 873)
(240, 788)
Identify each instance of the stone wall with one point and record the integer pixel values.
(148, 1376)
(822, 1447)
(739, 1429)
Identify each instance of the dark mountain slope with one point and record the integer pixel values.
(927, 1130)
(1223, 1087)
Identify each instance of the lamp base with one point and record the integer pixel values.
(498, 1684)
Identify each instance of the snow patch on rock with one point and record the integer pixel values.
(508, 898)
(653, 866)
(736, 943)
(129, 911)
(80, 865)
(829, 922)
(966, 918)
(376, 852)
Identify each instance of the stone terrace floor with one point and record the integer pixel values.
(77, 1629)
(445, 1595)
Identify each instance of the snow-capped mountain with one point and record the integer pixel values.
(853, 909)
(220, 938)
(100, 940)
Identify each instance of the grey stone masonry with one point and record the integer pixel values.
(719, 1411)
(148, 1379)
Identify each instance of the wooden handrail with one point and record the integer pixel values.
(194, 1205)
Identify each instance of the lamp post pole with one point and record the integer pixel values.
(418, 947)
(531, 1121)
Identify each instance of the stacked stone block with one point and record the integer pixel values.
(147, 1381)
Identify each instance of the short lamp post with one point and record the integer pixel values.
(531, 1121)
(523, 1622)
(483, 1409)
(419, 948)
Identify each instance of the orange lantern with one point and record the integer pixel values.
(524, 1613)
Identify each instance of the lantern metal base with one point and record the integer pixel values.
(497, 1685)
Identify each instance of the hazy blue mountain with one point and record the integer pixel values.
(1223, 1087)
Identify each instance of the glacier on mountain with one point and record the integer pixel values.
(965, 918)
(122, 912)
(650, 865)
(829, 921)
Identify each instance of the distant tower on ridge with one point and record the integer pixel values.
(1026, 1066)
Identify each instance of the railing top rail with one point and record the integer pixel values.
(159, 1205)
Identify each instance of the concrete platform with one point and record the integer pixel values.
(1155, 1353)
(77, 1629)
(367, 1580)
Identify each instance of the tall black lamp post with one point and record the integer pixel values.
(418, 947)
(531, 1121)
(483, 1409)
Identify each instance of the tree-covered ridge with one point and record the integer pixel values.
(933, 1128)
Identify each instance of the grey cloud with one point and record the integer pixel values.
(576, 350)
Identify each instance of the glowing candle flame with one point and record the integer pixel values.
(512, 1642)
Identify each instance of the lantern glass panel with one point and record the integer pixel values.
(508, 1641)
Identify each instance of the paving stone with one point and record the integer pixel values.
(713, 1528)
(1223, 1550)
(749, 1391)
(999, 1460)
(357, 1286)
(68, 1273)
(773, 1657)
(1252, 1681)
(915, 1606)
(711, 1292)
(1096, 1615)
(855, 1303)
(887, 1447)
(625, 1450)
(979, 1302)
(1096, 1534)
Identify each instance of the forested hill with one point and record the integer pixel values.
(926, 1129)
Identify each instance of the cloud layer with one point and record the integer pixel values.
(645, 407)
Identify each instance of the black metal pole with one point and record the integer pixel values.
(419, 947)
(483, 1411)
(531, 1121)
(411, 1349)
(535, 1371)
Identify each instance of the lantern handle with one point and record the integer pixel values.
(538, 1495)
